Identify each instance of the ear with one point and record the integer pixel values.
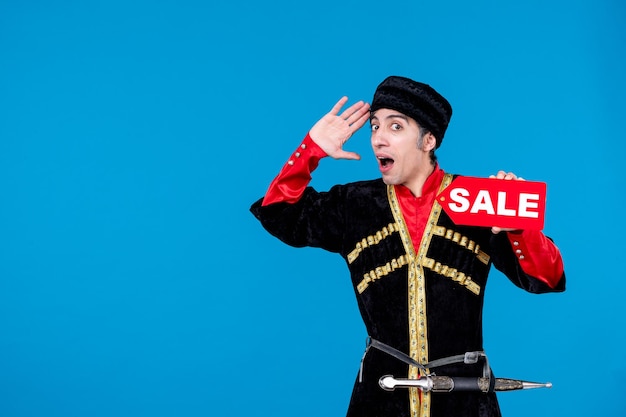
(429, 142)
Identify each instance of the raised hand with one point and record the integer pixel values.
(334, 129)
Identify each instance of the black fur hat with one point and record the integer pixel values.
(416, 100)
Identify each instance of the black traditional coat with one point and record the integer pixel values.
(425, 301)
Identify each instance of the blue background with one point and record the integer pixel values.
(134, 135)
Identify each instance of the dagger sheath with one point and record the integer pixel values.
(437, 383)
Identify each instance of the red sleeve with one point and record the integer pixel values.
(538, 256)
(290, 183)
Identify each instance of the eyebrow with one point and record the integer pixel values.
(392, 116)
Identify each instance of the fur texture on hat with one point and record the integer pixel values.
(417, 100)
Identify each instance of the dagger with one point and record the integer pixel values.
(437, 383)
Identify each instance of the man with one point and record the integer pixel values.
(419, 279)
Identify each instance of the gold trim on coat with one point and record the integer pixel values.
(419, 402)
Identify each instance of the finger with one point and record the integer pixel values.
(360, 116)
(335, 110)
(495, 230)
(358, 123)
(502, 175)
(358, 110)
(355, 111)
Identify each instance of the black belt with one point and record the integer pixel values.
(467, 358)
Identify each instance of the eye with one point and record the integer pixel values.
(374, 127)
(396, 126)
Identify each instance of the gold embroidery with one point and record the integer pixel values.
(451, 273)
(482, 256)
(381, 271)
(418, 339)
(464, 241)
(371, 240)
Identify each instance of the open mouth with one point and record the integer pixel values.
(385, 162)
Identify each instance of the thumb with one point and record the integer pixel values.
(341, 154)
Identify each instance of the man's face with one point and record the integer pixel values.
(395, 144)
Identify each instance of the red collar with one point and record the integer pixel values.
(430, 188)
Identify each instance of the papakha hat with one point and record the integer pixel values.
(417, 100)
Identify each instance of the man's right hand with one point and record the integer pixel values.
(333, 130)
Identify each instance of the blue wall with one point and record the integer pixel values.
(134, 136)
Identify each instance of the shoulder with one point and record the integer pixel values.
(366, 188)
(368, 184)
(368, 193)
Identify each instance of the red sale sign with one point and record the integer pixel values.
(492, 202)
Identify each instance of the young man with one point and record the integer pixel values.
(419, 279)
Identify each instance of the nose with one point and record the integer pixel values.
(378, 139)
